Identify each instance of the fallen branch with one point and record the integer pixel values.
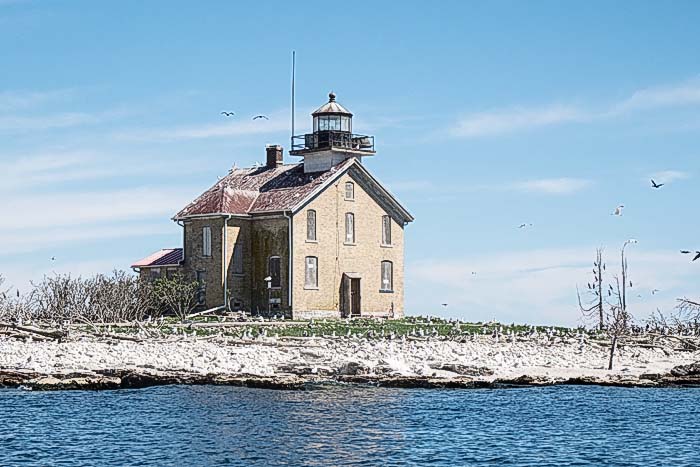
(53, 334)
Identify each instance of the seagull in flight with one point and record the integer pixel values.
(53, 258)
(656, 185)
(618, 210)
(228, 114)
(260, 116)
(655, 291)
(445, 305)
(687, 252)
(524, 225)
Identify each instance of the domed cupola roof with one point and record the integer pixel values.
(331, 107)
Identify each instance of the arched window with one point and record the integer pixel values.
(349, 190)
(311, 272)
(386, 230)
(349, 227)
(311, 225)
(387, 284)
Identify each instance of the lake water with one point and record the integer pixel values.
(206, 425)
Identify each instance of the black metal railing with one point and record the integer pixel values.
(333, 139)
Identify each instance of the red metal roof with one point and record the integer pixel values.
(259, 190)
(165, 257)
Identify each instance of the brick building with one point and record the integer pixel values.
(321, 238)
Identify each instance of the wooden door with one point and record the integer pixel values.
(355, 297)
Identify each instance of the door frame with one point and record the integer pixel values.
(350, 308)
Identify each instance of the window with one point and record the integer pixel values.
(206, 241)
(386, 230)
(311, 225)
(349, 190)
(273, 271)
(202, 291)
(238, 258)
(349, 227)
(311, 273)
(387, 277)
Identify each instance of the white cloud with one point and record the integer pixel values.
(277, 123)
(548, 186)
(505, 121)
(553, 186)
(539, 286)
(15, 100)
(64, 209)
(668, 176)
(665, 96)
(50, 167)
(15, 123)
(14, 242)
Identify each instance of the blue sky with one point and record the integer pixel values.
(486, 115)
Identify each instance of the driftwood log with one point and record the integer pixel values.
(50, 333)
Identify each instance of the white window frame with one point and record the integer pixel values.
(349, 228)
(311, 262)
(386, 283)
(311, 226)
(351, 187)
(206, 241)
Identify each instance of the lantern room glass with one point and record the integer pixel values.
(332, 123)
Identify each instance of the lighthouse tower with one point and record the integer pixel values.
(332, 140)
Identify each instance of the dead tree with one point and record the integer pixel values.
(618, 319)
(594, 308)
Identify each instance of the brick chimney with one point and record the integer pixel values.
(274, 156)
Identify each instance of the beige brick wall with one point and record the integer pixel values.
(270, 237)
(239, 283)
(195, 261)
(335, 257)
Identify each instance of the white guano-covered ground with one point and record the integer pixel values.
(562, 359)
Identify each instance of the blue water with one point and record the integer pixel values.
(202, 426)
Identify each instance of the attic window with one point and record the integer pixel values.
(311, 225)
(349, 228)
(349, 190)
(386, 230)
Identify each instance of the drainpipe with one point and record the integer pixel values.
(182, 224)
(290, 275)
(223, 262)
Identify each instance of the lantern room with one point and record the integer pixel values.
(332, 131)
(332, 116)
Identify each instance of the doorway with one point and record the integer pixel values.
(350, 296)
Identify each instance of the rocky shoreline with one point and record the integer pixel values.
(98, 362)
(683, 375)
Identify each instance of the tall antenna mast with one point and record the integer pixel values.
(291, 146)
